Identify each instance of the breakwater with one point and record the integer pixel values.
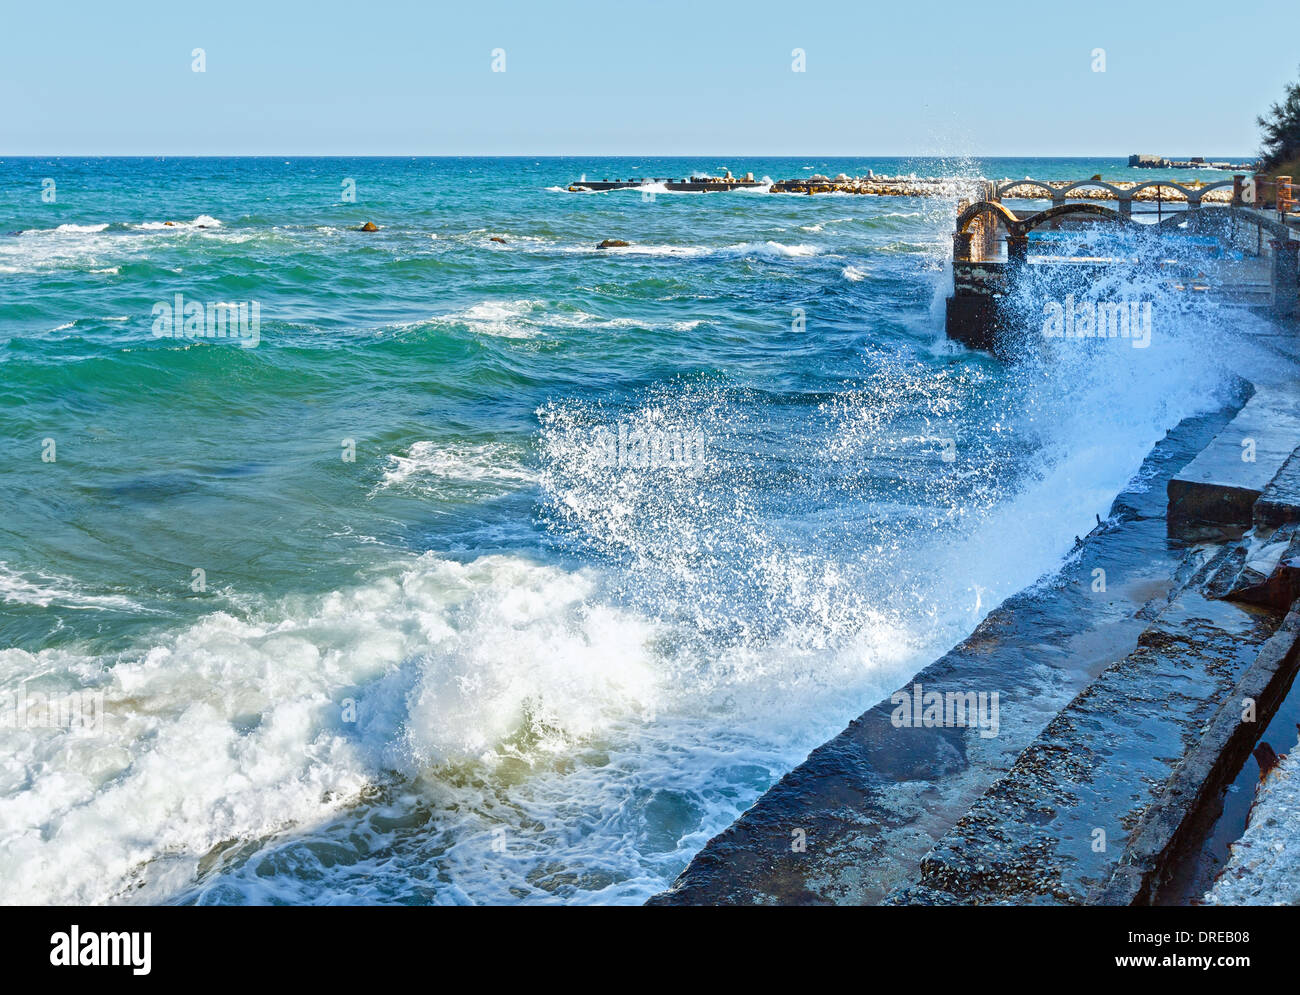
(871, 185)
(1027, 189)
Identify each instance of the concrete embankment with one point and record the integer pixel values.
(1131, 686)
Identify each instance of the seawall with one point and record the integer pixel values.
(1120, 710)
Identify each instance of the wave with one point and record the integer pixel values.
(524, 318)
(202, 221)
(739, 250)
(441, 661)
(47, 590)
(443, 469)
(83, 247)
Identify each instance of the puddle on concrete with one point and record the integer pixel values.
(1223, 821)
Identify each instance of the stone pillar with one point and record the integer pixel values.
(1285, 276)
(961, 241)
(1238, 188)
(1126, 207)
(1261, 191)
(1017, 249)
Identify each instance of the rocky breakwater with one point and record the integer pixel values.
(881, 186)
(976, 189)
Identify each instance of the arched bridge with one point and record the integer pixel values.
(991, 240)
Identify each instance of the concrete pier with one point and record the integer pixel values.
(991, 244)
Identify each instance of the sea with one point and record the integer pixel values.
(463, 562)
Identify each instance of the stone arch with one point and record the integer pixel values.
(1012, 185)
(1275, 228)
(1025, 225)
(980, 208)
(1119, 193)
(1214, 186)
(1189, 194)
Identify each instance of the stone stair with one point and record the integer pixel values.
(1107, 784)
(1093, 809)
(1222, 485)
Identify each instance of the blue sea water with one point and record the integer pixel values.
(375, 616)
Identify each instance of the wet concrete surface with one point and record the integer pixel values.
(1224, 481)
(1074, 807)
(853, 822)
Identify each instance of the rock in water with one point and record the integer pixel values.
(369, 226)
(1267, 759)
(613, 243)
(497, 238)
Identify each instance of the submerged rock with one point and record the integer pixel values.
(497, 238)
(369, 226)
(613, 243)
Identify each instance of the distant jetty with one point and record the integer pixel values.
(898, 186)
(689, 184)
(1195, 162)
(920, 186)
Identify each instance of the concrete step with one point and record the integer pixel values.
(1279, 505)
(1088, 811)
(1221, 485)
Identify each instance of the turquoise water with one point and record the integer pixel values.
(374, 617)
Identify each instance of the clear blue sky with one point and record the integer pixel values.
(393, 77)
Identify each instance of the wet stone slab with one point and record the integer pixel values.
(1056, 827)
(852, 822)
(1225, 480)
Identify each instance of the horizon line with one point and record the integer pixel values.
(584, 155)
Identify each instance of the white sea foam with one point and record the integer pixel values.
(440, 468)
(739, 250)
(234, 729)
(44, 590)
(202, 221)
(524, 318)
